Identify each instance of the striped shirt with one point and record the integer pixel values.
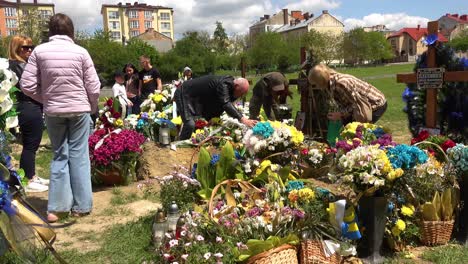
(351, 93)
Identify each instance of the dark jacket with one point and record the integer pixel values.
(263, 95)
(18, 67)
(208, 96)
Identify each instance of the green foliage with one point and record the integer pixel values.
(255, 246)
(442, 206)
(446, 254)
(220, 38)
(33, 26)
(224, 168)
(360, 46)
(204, 174)
(4, 43)
(267, 50)
(325, 47)
(460, 42)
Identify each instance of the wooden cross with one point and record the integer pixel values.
(431, 94)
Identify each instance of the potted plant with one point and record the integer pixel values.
(114, 155)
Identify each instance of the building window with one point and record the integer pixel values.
(166, 26)
(11, 32)
(45, 14)
(132, 14)
(134, 24)
(113, 15)
(10, 23)
(165, 16)
(134, 33)
(148, 24)
(115, 35)
(148, 14)
(167, 34)
(114, 25)
(10, 11)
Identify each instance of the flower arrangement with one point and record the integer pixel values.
(443, 142)
(357, 134)
(367, 167)
(406, 157)
(8, 80)
(157, 101)
(117, 150)
(270, 137)
(109, 116)
(402, 226)
(178, 187)
(458, 157)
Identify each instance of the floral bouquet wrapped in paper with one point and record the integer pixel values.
(267, 138)
(157, 101)
(115, 155)
(8, 80)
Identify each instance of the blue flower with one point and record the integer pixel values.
(237, 154)
(140, 124)
(407, 94)
(214, 159)
(406, 157)
(378, 132)
(464, 62)
(390, 207)
(430, 39)
(194, 170)
(263, 129)
(294, 185)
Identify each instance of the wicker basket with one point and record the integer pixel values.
(285, 254)
(312, 252)
(436, 232)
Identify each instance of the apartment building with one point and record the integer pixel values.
(128, 20)
(12, 11)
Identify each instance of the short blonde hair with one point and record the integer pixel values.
(14, 48)
(320, 75)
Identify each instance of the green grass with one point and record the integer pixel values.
(120, 198)
(447, 254)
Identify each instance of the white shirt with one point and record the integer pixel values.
(119, 92)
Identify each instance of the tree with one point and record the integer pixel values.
(266, 50)
(378, 47)
(460, 42)
(220, 38)
(325, 47)
(355, 46)
(33, 25)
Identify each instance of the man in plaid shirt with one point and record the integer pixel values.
(357, 100)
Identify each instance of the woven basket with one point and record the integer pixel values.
(312, 252)
(436, 232)
(285, 254)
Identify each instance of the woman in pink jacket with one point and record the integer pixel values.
(61, 76)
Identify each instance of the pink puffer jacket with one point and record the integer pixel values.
(61, 75)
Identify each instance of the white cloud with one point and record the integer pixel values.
(312, 6)
(236, 15)
(394, 21)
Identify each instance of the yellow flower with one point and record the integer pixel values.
(265, 164)
(293, 196)
(395, 174)
(275, 124)
(157, 98)
(177, 121)
(407, 210)
(119, 122)
(162, 115)
(306, 194)
(296, 136)
(399, 227)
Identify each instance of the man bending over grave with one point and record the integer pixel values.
(357, 100)
(209, 96)
(270, 91)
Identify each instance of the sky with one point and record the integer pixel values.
(238, 15)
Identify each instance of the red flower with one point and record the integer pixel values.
(109, 102)
(116, 115)
(448, 144)
(305, 152)
(199, 124)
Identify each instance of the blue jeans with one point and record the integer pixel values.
(70, 171)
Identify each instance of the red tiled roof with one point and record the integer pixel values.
(460, 19)
(416, 34)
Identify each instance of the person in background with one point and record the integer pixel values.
(268, 92)
(358, 100)
(150, 78)
(118, 90)
(187, 74)
(61, 76)
(132, 86)
(30, 119)
(209, 96)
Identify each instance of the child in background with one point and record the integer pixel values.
(119, 92)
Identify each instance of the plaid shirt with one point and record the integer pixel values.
(347, 90)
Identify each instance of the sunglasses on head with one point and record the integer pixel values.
(27, 47)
